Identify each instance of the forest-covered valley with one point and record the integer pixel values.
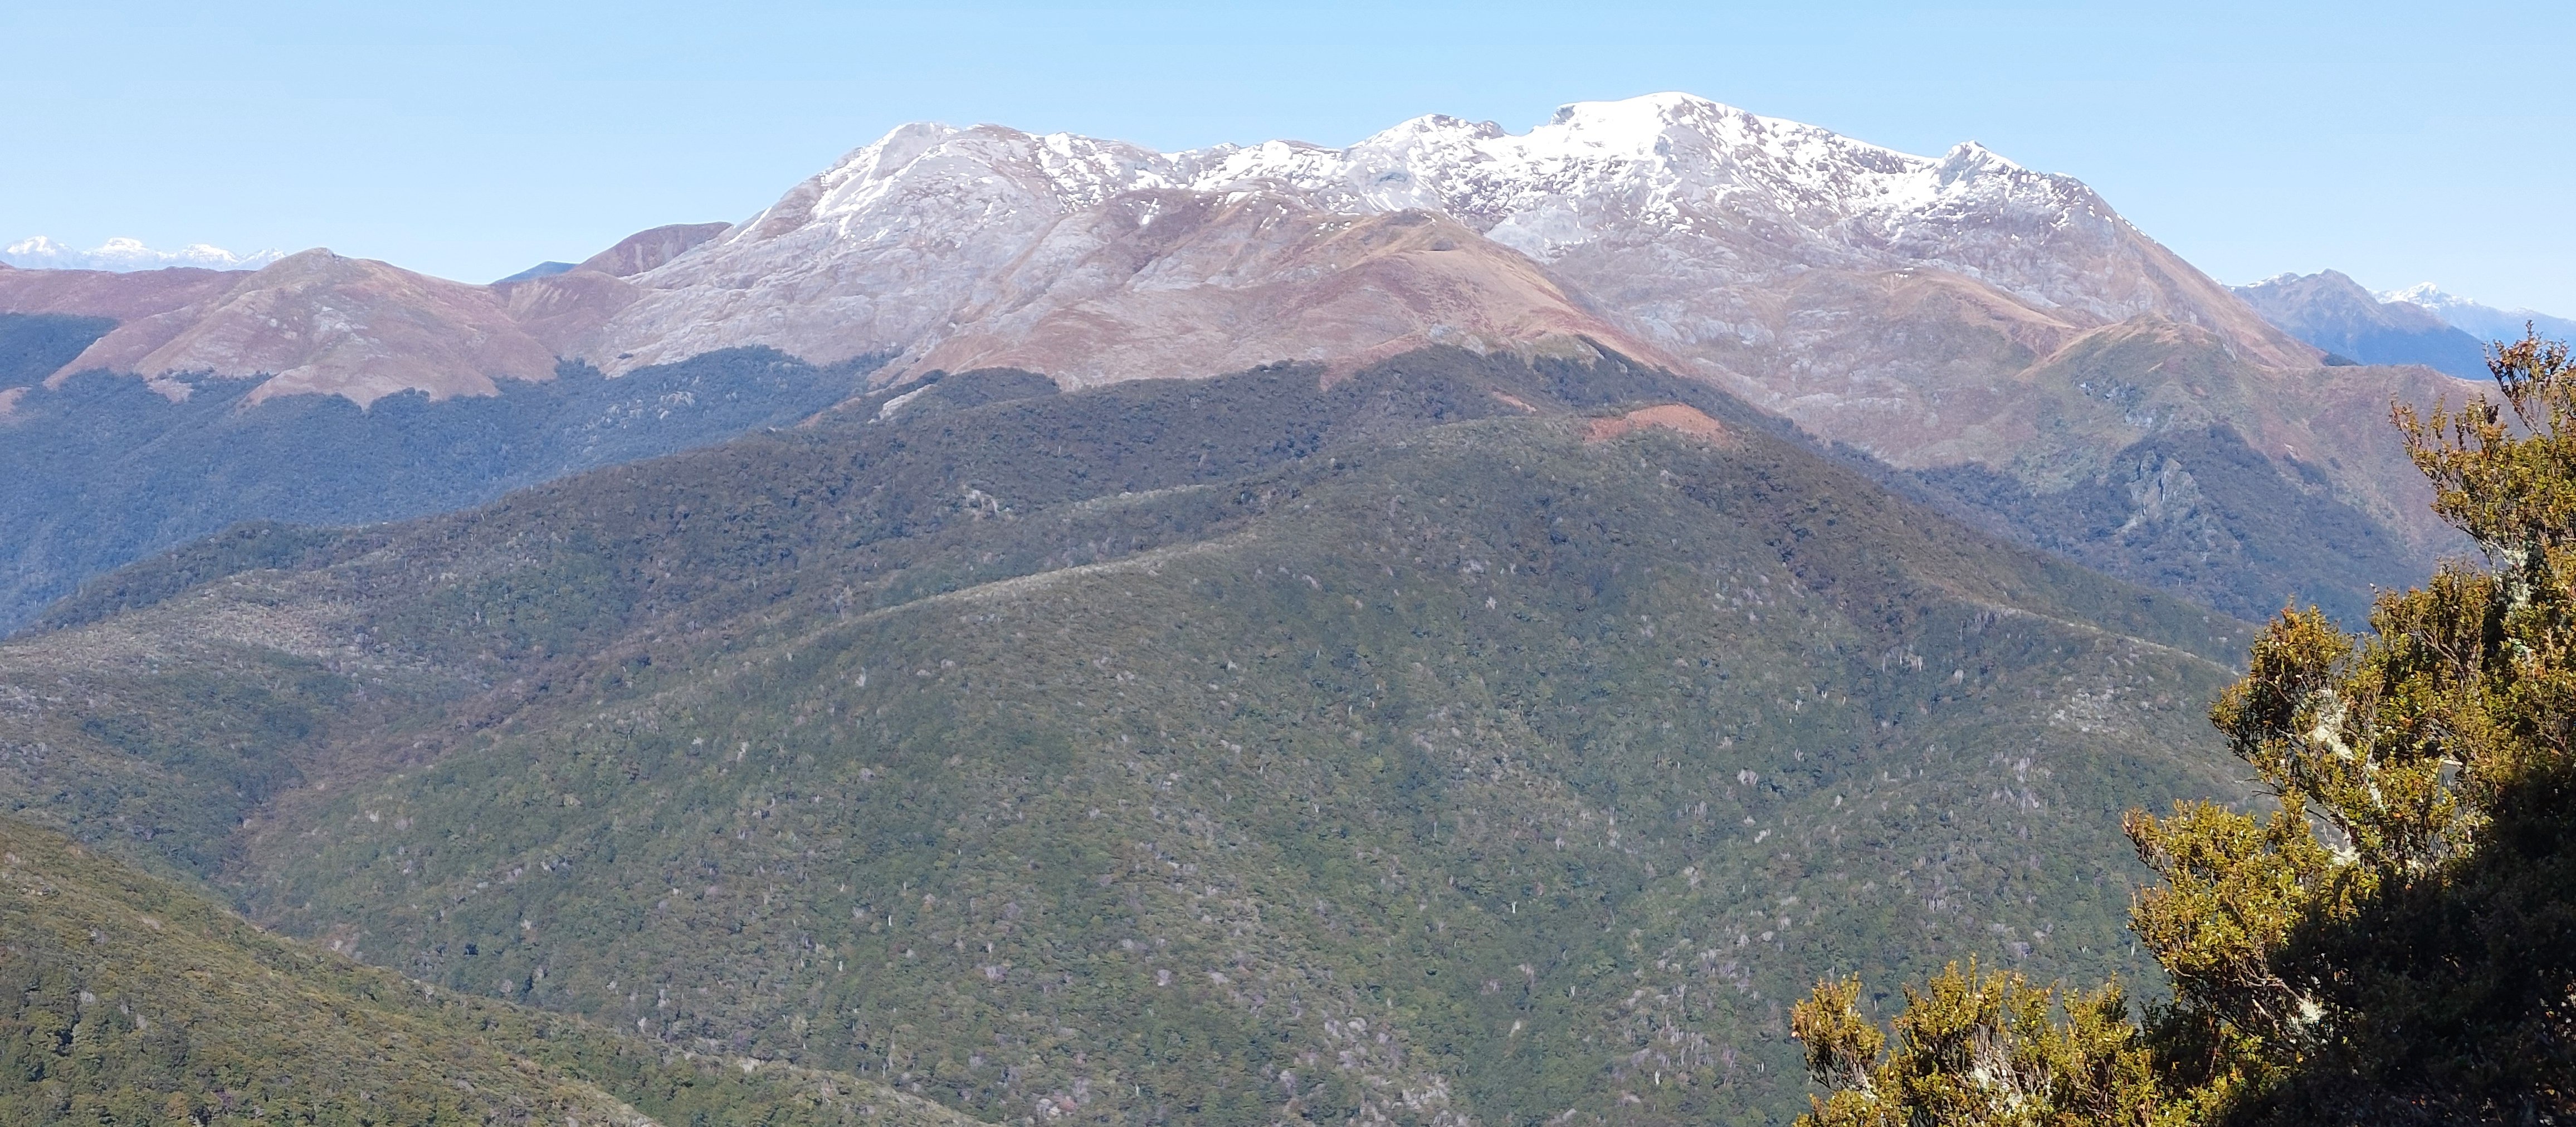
(1468, 739)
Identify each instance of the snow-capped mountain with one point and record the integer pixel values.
(1860, 290)
(2001, 330)
(1675, 169)
(2485, 322)
(1740, 247)
(41, 253)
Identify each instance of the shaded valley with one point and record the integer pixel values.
(106, 469)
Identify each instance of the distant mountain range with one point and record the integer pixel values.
(2419, 325)
(1667, 227)
(41, 253)
(1998, 333)
(2354, 326)
(2485, 322)
(880, 658)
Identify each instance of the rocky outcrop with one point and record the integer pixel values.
(1182, 284)
(650, 248)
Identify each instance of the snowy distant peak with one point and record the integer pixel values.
(1669, 159)
(1674, 163)
(1668, 105)
(1064, 170)
(910, 240)
(1968, 158)
(2426, 294)
(2331, 311)
(41, 253)
(2481, 320)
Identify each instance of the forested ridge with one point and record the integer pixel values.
(1466, 739)
(126, 999)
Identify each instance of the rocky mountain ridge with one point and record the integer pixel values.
(1934, 314)
(1680, 220)
(1667, 225)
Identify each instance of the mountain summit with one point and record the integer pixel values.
(1684, 221)
(2001, 334)
(1668, 227)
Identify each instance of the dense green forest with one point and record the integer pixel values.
(2234, 531)
(128, 1000)
(1439, 744)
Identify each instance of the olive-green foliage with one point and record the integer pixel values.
(2430, 962)
(1980, 1049)
(125, 999)
(166, 744)
(2395, 941)
(257, 545)
(1234, 751)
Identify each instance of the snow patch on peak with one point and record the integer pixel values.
(1633, 122)
(890, 247)
(2479, 319)
(1668, 105)
(1444, 125)
(1671, 162)
(123, 255)
(1967, 156)
(1661, 164)
(2426, 294)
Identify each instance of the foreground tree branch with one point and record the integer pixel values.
(2394, 939)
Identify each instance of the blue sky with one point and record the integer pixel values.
(2399, 143)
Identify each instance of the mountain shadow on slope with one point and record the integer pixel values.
(1469, 738)
(2446, 350)
(2197, 513)
(35, 345)
(106, 471)
(267, 544)
(125, 999)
